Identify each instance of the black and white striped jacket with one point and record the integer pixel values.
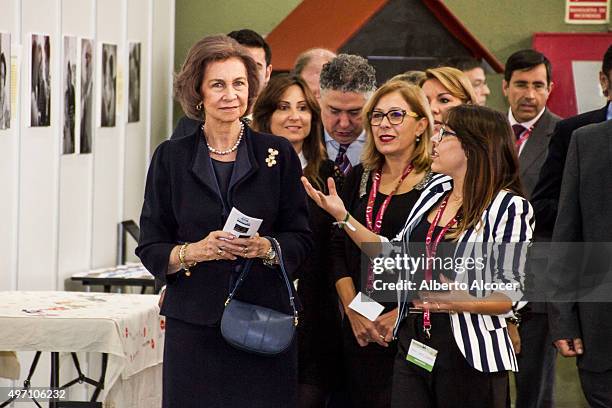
(482, 339)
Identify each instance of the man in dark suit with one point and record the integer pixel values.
(261, 53)
(545, 196)
(582, 327)
(527, 84)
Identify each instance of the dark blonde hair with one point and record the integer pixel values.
(371, 158)
(492, 164)
(214, 48)
(266, 105)
(456, 82)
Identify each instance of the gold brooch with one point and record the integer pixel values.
(271, 160)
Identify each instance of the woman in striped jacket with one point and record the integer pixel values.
(454, 347)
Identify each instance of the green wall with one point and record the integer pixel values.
(197, 18)
(502, 26)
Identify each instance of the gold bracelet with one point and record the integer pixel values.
(184, 265)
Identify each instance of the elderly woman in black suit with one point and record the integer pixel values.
(192, 185)
(287, 108)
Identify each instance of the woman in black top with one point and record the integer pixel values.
(395, 167)
(287, 108)
(192, 185)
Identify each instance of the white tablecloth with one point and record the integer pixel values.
(127, 327)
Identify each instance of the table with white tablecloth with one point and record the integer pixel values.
(126, 327)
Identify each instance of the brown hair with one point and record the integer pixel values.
(188, 81)
(456, 82)
(266, 105)
(492, 164)
(371, 158)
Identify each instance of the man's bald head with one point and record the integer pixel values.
(308, 65)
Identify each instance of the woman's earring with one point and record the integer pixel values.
(199, 106)
(418, 138)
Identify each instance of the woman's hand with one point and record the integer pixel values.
(254, 247)
(331, 203)
(461, 301)
(364, 330)
(216, 246)
(385, 324)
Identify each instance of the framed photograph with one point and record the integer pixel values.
(5, 81)
(108, 70)
(69, 87)
(86, 101)
(134, 83)
(40, 91)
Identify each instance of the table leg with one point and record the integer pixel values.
(54, 383)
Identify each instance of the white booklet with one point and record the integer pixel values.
(241, 225)
(366, 306)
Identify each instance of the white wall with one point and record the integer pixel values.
(59, 213)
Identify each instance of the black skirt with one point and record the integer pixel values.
(202, 370)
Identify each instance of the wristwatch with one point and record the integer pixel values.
(269, 258)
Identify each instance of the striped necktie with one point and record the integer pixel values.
(518, 130)
(342, 160)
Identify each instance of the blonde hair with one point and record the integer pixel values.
(371, 158)
(456, 82)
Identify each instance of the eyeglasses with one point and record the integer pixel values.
(442, 133)
(395, 116)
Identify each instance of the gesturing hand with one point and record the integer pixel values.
(332, 203)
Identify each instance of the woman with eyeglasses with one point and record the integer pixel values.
(453, 346)
(446, 87)
(379, 194)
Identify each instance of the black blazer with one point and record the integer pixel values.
(183, 204)
(545, 196)
(585, 215)
(185, 127)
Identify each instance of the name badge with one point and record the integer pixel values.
(422, 355)
(366, 306)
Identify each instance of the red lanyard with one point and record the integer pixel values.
(522, 139)
(431, 247)
(375, 228)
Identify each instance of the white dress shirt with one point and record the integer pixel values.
(526, 125)
(353, 152)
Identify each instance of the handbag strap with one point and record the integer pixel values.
(247, 267)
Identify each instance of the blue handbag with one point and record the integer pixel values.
(257, 329)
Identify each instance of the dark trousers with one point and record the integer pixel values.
(368, 371)
(452, 383)
(535, 379)
(597, 388)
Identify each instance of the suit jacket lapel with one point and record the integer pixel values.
(426, 201)
(537, 143)
(202, 167)
(245, 164)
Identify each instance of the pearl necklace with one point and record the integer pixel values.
(231, 149)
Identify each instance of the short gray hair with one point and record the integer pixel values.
(348, 73)
(304, 58)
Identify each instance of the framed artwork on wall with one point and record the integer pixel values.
(134, 83)
(108, 71)
(5, 81)
(40, 90)
(86, 100)
(69, 88)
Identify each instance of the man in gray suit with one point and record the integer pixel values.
(527, 84)
(584, 329)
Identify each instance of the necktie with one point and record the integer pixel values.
(342, 160)
(518, 130)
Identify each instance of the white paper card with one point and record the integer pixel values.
(422, 355)
(366, 307)
(241, 225)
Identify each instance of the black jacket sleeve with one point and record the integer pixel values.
(157, 222)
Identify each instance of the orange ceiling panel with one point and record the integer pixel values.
(318, 23)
